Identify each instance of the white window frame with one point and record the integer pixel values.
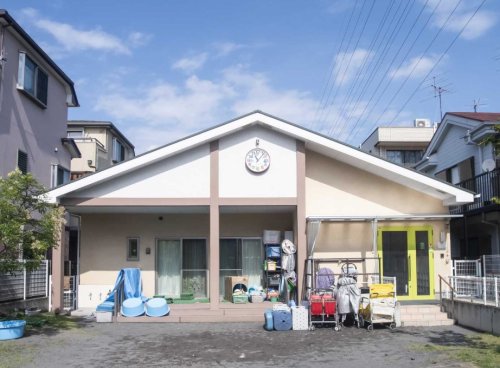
(55, 175)
(22, 79)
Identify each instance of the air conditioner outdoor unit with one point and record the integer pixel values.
(422, 123)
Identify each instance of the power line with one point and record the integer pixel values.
(441, 57)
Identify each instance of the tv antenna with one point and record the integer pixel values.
(477, 104)
(438, 91)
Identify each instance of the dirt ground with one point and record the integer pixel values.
(231, 345)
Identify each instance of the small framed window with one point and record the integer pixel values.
(132, 249)
(60, 175)
(32, 79)
(118, 151)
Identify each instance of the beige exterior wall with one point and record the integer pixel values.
(355, 240)
(88, 149)
(334, 188)
(104, 242)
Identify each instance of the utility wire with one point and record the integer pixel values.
(330, 72)
(440, 58)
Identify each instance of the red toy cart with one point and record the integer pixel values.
(323, 309)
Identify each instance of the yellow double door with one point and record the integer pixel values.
(406, 253)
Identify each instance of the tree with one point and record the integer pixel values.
(29, 225)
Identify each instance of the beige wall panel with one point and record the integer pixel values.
(104, 243)
(252, 225)
(334, 188)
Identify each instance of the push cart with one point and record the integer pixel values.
(323, 309)
(379, 307)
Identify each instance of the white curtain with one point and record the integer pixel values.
(168, 266)
(252, 260)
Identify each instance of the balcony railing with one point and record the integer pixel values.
(486, 185)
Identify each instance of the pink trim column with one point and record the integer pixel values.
(300, 216)
(214, 226)
(58, 273)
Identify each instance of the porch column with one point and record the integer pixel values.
(58, 273)
(300, 217)
(214, 225)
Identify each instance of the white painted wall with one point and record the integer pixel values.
(184, 175)
(280, 180)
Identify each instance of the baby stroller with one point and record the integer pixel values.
(348, 294)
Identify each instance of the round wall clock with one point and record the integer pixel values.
(257, 160)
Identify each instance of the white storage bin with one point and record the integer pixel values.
(299, 318)
(103, 317)
(272, 237)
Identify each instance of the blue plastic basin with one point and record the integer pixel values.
(11, 329)
(157, 307)
(132, 307)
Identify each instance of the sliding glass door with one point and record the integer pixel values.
(241, 256)
(181, 267)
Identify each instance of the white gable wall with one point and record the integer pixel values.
(280, 180)
(185, 175)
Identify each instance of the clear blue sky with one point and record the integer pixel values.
(161, 70)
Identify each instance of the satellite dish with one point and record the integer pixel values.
(488, 164)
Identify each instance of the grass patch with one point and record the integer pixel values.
(482, 350)
(44, 322)
(13, 356)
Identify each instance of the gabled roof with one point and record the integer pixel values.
(471, 122)
(449, 194)
(479, 116)
(6, 19)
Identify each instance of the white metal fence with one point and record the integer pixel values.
(484, 290)
(466, 268)
(25, 284)
(491, 265)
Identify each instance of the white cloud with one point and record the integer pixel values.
(348, 64)
(482, 22)
(139, 38)
(72, 39)
(190, 64)
(157, 114)
(226, 48)
(416, 67)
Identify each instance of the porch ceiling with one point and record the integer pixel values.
(256, 209)
(140, 209)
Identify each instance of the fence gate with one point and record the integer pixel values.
(461, 270)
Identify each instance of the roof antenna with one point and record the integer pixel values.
(477, 104)
(438, 90)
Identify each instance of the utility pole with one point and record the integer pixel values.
(438, 91)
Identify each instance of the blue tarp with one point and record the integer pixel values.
(132, 287)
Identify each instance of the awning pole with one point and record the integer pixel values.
(374, 236)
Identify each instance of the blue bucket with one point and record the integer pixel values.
(12, 329)
(157, 307)
(132, 307)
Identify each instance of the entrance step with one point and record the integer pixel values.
(423, 315)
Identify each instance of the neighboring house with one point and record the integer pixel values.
(101, 144)
(459, 153)
(34, 98)
(401, 145)
(194, 211)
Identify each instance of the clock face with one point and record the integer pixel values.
(257, 160)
